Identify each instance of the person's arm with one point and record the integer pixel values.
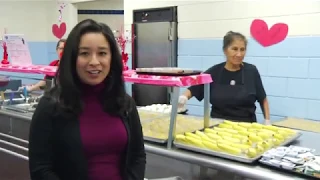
(187, 94)
(137, 163)
(265, 106)
(40, 143)
(37, 86)
(42, 83)
(262, 97)
(197, 90)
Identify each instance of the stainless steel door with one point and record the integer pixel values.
(154, 48)
(153, 44)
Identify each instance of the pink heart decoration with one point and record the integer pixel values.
(59, 31)
(267, 37)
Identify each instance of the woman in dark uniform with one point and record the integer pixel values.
(41, 84)
(236, 85)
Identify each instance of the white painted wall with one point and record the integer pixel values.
(213, 18)
(79, 1)
(34, 18)
(114, 21)
(130, 5)
(29, 18)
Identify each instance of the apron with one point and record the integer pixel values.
(232, 102)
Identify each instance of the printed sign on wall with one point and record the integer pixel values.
(18, 49)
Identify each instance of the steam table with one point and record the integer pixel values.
(175, 162)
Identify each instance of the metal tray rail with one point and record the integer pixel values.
(168, 178)
(243, 159)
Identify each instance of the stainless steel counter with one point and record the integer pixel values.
(255, 171)
(18, 115)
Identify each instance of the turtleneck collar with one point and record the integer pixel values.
(92, 89)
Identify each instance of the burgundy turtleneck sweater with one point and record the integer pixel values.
(104, 138)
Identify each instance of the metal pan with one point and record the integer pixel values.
(290, 140)
(145, 113)
(168, 178)
(243, 159)
(217, 154)
(151, 139)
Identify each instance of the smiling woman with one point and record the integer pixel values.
(237, 85)
(93, 70)
(87, 127)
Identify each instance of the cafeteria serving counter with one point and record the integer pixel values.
(162, 162)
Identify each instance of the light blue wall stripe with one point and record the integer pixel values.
(289, 70)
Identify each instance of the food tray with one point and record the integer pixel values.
(290, 140)
(179, 117)
(282, 169)
(171, 74)
(164, 70)
(229, 156)
(167, 71)
(146, 116)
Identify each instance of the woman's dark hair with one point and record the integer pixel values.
(67, 90)
(60, 41)
(230, 37)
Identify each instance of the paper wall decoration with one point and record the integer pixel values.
(59, 30)
(124, 37)
(4, 48)
(61, 5)
(268, 37)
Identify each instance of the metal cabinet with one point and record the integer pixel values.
(13, 165)
(4, 124)
(20, 128)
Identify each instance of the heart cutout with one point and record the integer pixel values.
(59, 31)
(267, 37)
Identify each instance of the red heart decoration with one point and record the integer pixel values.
(59, 31)
(267, 37)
